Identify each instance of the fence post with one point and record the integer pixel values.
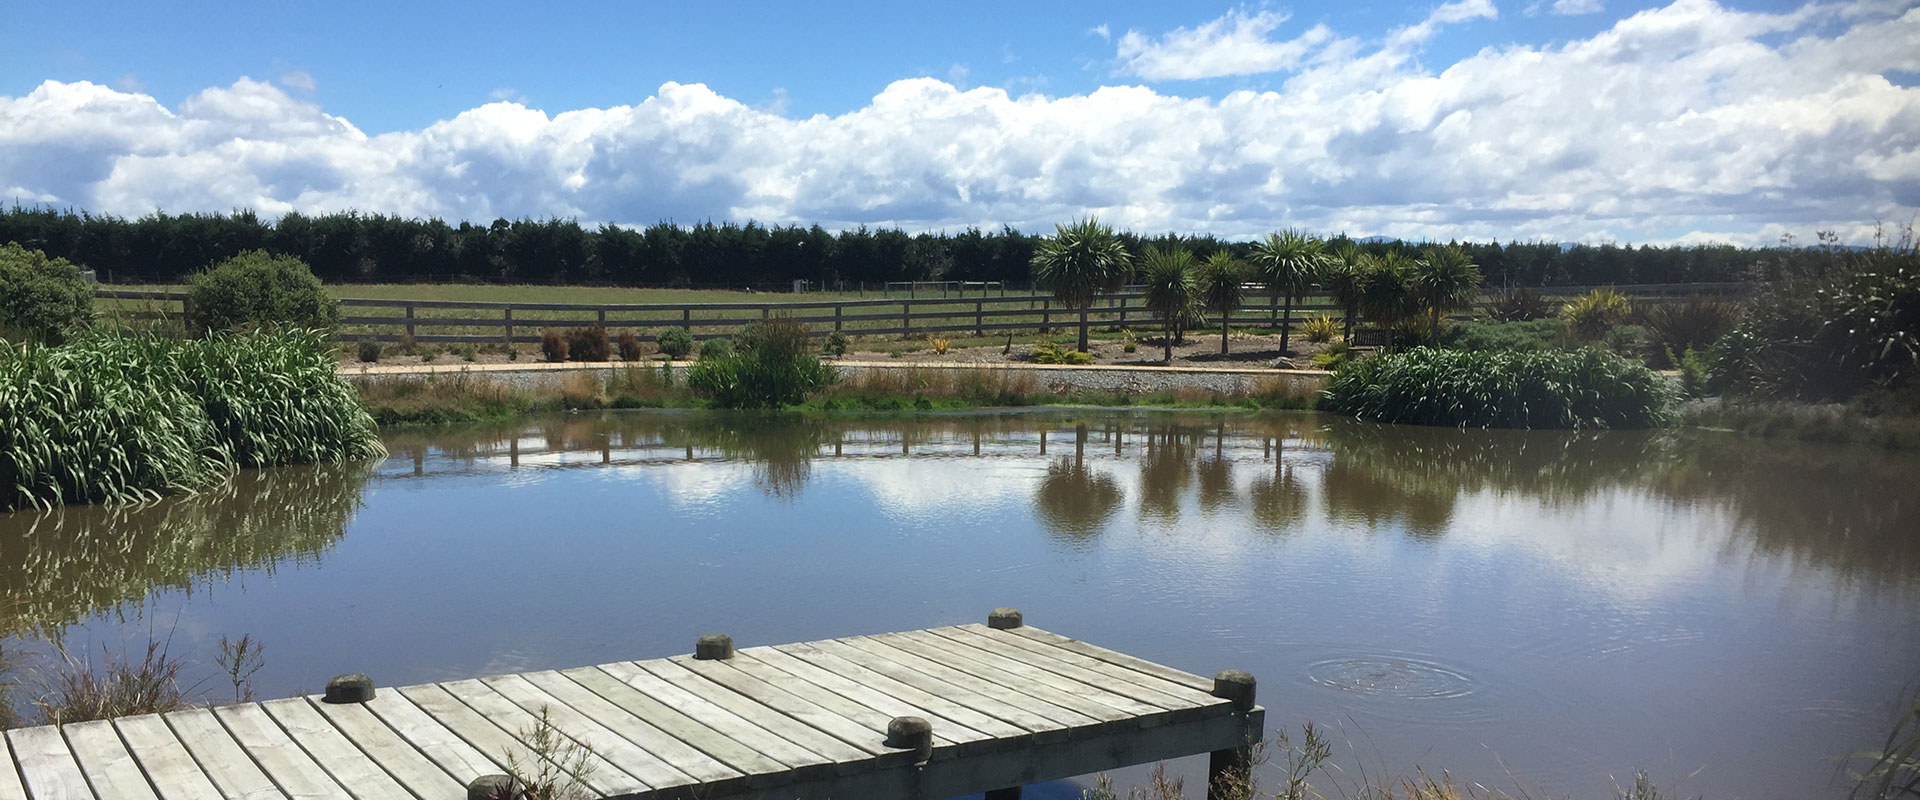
(836, 316)
(765, 311)
(978, 329)
(602, 319)
(409, 320)
(906, 318)
(1123, 311)
(1046, 316)
(509, 311)
(686, 318)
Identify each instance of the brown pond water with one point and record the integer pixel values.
(1538, 611)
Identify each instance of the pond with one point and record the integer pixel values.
(1536, 611)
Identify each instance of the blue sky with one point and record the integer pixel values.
(1408, 88)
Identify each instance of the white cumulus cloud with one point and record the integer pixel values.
(1688, 122)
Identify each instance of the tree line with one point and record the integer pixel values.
(353, 247)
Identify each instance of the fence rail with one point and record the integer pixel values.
(481, 322)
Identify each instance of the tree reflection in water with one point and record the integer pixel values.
(1073, 501)
(61, 566)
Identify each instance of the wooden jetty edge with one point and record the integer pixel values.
(924, 714)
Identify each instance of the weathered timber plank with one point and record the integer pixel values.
(484, 723)
(165, 761)
(105, 761)
(1087, 699)
(1064, 716)
(632, 759)
(1038, 726)
(290, 767)
(1114, 673)
(863, 736)
(677, 752)
(46, 765)
(10, 786)
(1187, 679)
(439, 744)
(945, 708)
(1173, 706)
(759, 660)
(720, 745)
(225, 762)
(332, 751)
(845, 757)
(871, 723)
(422, 777)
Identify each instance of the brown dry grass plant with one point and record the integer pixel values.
(118, 688)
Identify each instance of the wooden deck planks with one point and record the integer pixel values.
(332, 751)
(46, 764)
(167, 764)
(491, 724)
(290, 767)
(441, 745)
(1139, 686)
(803, 720)
(105, 761)
(407, 764)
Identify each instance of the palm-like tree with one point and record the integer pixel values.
(1079, 263)
(1340, 276)
(1289, 262)
(1170, 289)
(1220, 278)
(1445, 280)
(1386, 291)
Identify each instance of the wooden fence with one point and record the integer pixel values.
(478, 323)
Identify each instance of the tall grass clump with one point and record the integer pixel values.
(119, 688)
(128, 418)
(1830, 335)
(773, 366)
(276, 399)
(1546, 389)
(1589, 316)
(1674, 328)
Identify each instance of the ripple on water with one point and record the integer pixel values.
(1406, 687)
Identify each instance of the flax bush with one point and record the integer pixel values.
(1492, 389)
(773, 366)
(128, 418)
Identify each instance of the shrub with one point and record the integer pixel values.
(629, 346)
(1694, 324)
(41, 299)
(257, 289)
(1545, 389)
(1625, 340)
(676, 342)
(716, 348)
(369, 351)
(588, 344)
(1334, 357)
(1589, 316)
(405, 343)
(1519, 305)
(940, 345)
(835, 344)
(467, 353)
(1829, 336)
(553, 344)
(773, 366)
(1320, 330)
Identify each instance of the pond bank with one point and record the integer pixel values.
(436, 393)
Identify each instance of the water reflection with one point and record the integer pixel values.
(1074, 501)
(62, 566)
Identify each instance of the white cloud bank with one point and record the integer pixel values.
(1677, 123)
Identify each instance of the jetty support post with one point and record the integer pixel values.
(1230, 770)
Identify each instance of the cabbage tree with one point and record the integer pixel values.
(1080, 262)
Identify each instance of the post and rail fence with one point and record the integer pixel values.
(483, 322)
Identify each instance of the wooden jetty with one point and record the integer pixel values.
(923, 714)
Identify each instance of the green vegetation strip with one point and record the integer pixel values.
(1490, 389)
(128, 418)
